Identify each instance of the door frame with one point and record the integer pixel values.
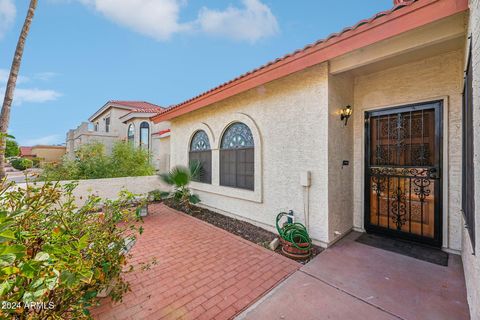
(440, 132)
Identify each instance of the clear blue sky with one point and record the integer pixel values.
(82, 53)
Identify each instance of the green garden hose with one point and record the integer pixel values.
(294, 233)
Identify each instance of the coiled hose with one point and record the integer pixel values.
(294, 233)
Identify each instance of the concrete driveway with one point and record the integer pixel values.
(351, 280)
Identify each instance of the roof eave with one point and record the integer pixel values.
(408, 18)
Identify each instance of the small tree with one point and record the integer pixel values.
(59, 255)
(179, 178)
(128, 161)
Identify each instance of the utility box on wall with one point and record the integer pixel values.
(306, 178)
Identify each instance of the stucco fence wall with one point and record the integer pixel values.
(110, 188)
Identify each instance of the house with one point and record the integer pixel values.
(360, 131)
(43, 153)
(125, 121)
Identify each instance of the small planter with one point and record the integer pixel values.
(144, 211)
(289, 249)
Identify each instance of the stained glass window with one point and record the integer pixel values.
(200, 141)
(238, 135)
(201, 152)
(237, 157)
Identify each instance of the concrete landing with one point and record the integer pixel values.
(354, 281)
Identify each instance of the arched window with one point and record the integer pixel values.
(131, 133)
(200, 150)
(145, 135)
(237, 160)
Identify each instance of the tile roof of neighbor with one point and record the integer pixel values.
(138, 106)
(26, 151)
(318, 45)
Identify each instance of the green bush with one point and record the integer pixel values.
(36, 162)
(11, 148)
(21, 163)
(91, 162)
(179, 178)
(55, 253)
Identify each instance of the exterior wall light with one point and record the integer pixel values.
(345, 113)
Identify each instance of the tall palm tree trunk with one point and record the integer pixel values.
(12, 81)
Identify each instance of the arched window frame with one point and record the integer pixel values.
(237, 157)
(131, 133)
(145, 126)
(200, 150)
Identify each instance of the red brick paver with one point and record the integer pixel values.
(203, 272)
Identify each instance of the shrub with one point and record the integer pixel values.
(21, 163)
(92, 163)
(55, 253)
(156, 195)
(179, 178)
(129, 161)
(36, 162)
(11, 148)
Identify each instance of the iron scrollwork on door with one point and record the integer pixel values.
(402, 171)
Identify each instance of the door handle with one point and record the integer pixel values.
(433, 173)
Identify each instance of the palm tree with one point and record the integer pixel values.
(179, 178)
(12, 81)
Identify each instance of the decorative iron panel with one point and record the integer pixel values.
(237, 135)
(200, 141)
(403, 157)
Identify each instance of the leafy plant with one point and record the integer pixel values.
(91, 162)
(11, 148)
(21, 163)
(179, 178)
(59, 255)
(156, 195)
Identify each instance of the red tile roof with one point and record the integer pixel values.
(26, 151)
(161, 132)
(323, 50)
(138, 106)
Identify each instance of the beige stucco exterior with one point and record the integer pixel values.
(120, 120)
(433, 78)
(290, 130)
(48, 154)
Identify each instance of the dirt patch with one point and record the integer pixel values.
(240, 228)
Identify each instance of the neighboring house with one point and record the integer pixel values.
(124, 121)
(44, 153)
(273, 139)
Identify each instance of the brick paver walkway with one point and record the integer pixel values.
(203, 272)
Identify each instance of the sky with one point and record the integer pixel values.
(82, 53)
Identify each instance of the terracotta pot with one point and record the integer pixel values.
(290, 250)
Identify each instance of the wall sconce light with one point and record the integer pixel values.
(345, 113)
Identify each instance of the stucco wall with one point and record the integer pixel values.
(471, 263)
(49, 153)
(429, 79)
(340, 147)
(288, 118)
(109, 188)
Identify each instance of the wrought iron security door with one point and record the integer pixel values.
(403, 172)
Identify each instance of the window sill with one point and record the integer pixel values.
(243, 194)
